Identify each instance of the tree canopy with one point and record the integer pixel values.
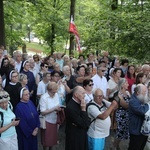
(118, 26)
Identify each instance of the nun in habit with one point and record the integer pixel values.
(29, 122)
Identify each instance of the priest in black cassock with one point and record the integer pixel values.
(77, 121)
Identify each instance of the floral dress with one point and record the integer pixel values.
(122, 119)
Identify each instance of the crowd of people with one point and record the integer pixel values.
(97, 93)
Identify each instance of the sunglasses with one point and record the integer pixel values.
(103, 70)
(90, 84)
(5, 96)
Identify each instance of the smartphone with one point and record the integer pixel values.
(62, 106)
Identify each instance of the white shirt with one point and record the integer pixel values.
(42, 88)
(100, 83)
(98, 128)
(37, 66)
(18, 66)
(34, 71)
(47, 102)
(88, 98)
(112, 84)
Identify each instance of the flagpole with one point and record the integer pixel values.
(74, 31)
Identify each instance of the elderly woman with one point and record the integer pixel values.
(69, 80)
(8, 136)
(49, 106)
(88, 86)
(122, 113)
(29, 122)
(23, 80)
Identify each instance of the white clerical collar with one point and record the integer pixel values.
(75, 101)
(12, 83)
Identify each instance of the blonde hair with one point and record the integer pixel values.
(22, 76)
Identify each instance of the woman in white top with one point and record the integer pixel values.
(49, 106)
(88, 86)
(113, 87)
(8, 136)
(113, 83)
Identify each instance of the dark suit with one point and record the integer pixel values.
(77, 123)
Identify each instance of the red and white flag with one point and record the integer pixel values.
(73, 29)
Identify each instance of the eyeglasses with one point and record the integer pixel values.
(56, 76)
(99, 96)
(26, 94)
(46, 66)
(15, 76)
(90, 84)
(5, 96)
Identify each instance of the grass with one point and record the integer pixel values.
(36, 46)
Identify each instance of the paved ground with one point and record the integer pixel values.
(108, 145)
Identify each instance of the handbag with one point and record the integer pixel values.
(42, 122)
(60, 117)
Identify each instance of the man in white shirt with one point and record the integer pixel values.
(100, 81)
(99, 110)
(33, 69)
(18, 60)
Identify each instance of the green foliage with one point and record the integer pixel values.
(122, 31)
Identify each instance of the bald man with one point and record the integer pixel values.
(99, 111)
(77, 121)
(137, 110)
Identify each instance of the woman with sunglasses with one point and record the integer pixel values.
(43, 68)
(8, 136)
(88, 86)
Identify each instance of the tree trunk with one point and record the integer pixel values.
(53, 39)
(53, 33)
(2, 28)
(72, 13)
(24, 50)
(114, 6)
